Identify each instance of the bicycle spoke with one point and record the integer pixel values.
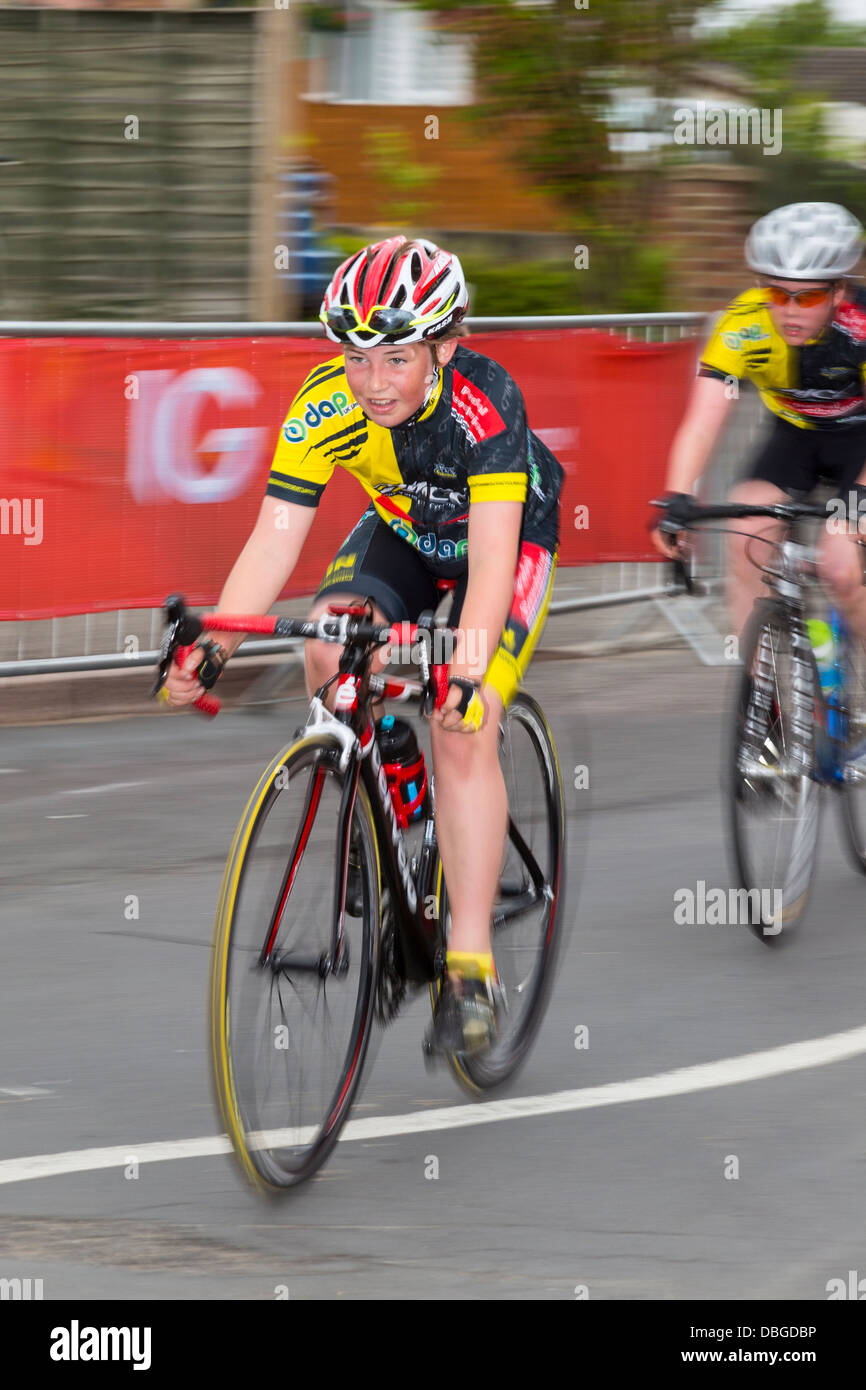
(774, 798)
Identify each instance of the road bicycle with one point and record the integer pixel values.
(302, 970)
(790, 735)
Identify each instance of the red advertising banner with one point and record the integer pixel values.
(136, 467)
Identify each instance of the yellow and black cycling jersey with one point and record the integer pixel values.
(469, 443)
(818, 385)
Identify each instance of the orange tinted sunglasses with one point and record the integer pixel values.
(807, 299)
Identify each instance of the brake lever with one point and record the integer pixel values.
(180, 638)
(682, 579)
(175, 612)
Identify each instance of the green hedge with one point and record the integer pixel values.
(619, 279)
(611, 283)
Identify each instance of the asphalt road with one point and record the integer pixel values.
(751, 1189)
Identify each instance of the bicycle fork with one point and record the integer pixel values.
(798, 750)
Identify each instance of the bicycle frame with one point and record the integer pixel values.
(420, 935)
(823, 756)
(825, 753)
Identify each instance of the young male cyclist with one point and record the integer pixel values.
(460, 488)
(800, 337)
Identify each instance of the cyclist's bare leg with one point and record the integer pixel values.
(322, 659)
(471, 821)
(744, 578)
(841, 562)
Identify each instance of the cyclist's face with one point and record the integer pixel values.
(798, 323)
(390, 382)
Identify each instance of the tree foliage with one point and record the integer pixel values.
(546, 72)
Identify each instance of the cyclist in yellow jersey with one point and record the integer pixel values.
(459, 488)
(800, 337)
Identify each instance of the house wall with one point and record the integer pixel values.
(702, 213)
(473, 182)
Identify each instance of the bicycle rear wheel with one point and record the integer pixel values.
(527, 918)
(289, 1026)
(772, 796)
(853, 756)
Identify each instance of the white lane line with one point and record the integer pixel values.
(71, 815)
(24, 1092)
(5, 770)
(105, 787)
(729, 1071)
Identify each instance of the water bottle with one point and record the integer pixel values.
(822, 639)
(403, 762)
(824, 648)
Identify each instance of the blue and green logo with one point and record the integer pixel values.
(297, 428)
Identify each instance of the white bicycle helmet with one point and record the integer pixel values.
(395, 291)
(805, 241)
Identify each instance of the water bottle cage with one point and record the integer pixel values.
(401, 775)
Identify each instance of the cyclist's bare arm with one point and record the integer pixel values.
(257, 578)
(706, 415)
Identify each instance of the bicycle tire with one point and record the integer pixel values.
(853, 757)
(526, 972)
(282, 1127)
(760, 782)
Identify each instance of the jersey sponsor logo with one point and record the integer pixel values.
(851, 319)
(341, 567)
(535, 477)
(474, 410)
(435, 499)
(848, 406)
(753, 333)
(296, 428)
(428, 543)
(533, 568)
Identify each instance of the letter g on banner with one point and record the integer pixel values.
(164, 455)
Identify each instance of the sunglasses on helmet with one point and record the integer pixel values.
(344, 319)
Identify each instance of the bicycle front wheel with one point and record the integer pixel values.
(772, 796)
(527, 917)
(291, 1007)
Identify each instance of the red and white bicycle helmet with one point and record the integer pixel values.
(394, 291)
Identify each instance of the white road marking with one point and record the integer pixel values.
(5, 770)
(72, 815)
(729, 1071)
(24, 1092)
(105, 787)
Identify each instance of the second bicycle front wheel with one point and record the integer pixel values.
(290, 1015)
(772, 795)
(527, 917)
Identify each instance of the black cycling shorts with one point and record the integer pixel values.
(374, 562)
(796, 460)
